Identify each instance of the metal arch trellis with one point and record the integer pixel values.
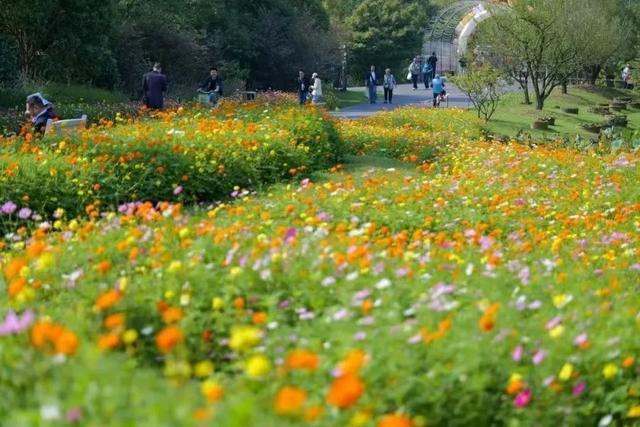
(440, 35)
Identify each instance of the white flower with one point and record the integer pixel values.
(50, 412)
(605, 421)
(383, 283)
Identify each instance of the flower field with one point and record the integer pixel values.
(190, 155)
(496, 285)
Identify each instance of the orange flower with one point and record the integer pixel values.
(303, 359)
(345, 391)
(395, 420)
(16, 286)
(172, 315)
(238, 303)
(104, 266)
(114, 321)
(259, 317)
(35, 249)
(67, 343)
(13, 268)
(168, 338)
(353, 362)
(486, 323)
(289, 401)
(108, 342)
(108, 299)
(515, 387)
(313, 413)
(628, 362)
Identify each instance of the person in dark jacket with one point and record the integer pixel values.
(433, 61)
(39, 111)
(371, 83)
(303, 87)
(213, 85)
(154, 85)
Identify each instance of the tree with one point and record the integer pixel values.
(483, 85)
(386, 32)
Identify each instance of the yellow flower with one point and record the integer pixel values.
(556, 332)
(244, 338)
(566, 372)
(174, 267)
(634, 412)
(257, 366)
(561, 300)
(609, 371)
(217, 303)
(203, 369)
(359, 419)
(130, 336)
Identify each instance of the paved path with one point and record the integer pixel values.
(403, 95)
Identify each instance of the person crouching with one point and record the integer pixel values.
(39, 111)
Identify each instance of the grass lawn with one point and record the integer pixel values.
(513, 116)
(350, 97)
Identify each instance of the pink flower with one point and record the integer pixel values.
(538, 357)
(177, 190)
(579, 388)
(523, 398)
(517, 353)
(580, 339)
(14, 324)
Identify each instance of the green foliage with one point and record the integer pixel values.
(483, 86)
(386, 33)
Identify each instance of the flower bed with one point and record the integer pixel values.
(498, 286)
(409, 134)
(188, 155)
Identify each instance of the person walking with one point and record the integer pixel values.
(626, 76)
(433, 61)
(316, 88)
(414, 69)
(438, 87)
(213, 85)
(154, 85)
(372, 85)
(426, 74)
(389, 83)
(303, 87)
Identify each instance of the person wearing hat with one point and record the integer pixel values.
(316, 88)
(438, 90)
(39, 111)
(154, 85)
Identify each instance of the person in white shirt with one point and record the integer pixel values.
(316, 88)
(626, 76)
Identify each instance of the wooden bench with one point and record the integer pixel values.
(65, 127)
(247, 95)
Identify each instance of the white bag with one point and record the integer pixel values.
(409, 76)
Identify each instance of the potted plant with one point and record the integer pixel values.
(550, 120)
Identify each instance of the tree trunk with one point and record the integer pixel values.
(564, 87)
(539, 103)
(525, 89)
(594, 72)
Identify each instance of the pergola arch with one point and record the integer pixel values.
(449, 31)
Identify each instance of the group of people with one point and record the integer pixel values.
(389, 83)
(428, 71)
(308, 87)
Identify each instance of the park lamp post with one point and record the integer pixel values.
(343, 73)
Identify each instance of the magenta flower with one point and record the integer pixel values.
(580, 339)
(579, 388)
(74, 415)
(523, 398)
(14, 324)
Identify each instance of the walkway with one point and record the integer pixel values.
(402, 96)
